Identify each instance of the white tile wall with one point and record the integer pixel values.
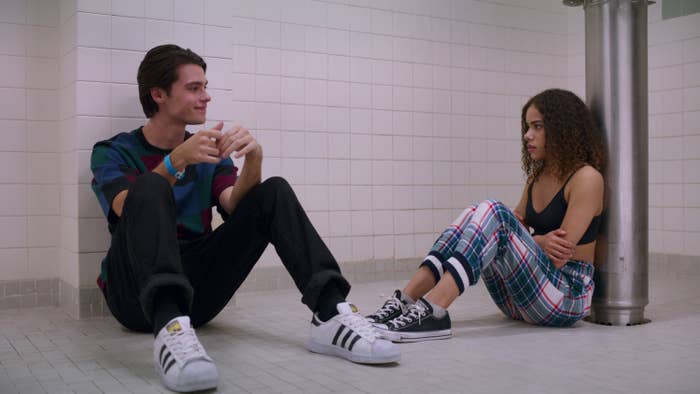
(387, 117)
(674, 138)
(28, 155)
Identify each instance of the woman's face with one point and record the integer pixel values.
(535, 135)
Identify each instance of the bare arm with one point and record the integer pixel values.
(239, 140)
(519, 210)
(585, 202)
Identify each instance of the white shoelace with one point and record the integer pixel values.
(185, 346)
(415, 311)
(360, 325)
(390, 305)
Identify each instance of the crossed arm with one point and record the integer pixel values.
(585, 201)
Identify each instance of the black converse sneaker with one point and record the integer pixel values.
(417, 324)
(392, 308)
(180, 359)
(351, 336)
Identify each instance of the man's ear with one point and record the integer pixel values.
(158, 95)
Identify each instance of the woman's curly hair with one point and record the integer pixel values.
(572, 138)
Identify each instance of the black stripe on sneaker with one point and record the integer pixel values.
(172, 362)
(345, 338)
(165, 360)
(354, 341)
(160, 355)
(337, 334)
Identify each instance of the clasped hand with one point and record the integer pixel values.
(557, 248)
(213, 145)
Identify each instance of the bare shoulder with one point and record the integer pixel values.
(587, 177)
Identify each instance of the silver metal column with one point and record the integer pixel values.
(616, 91)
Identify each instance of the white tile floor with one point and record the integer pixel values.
(259, 346)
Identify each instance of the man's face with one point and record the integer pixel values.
(188, 98)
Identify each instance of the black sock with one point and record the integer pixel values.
(327, 302)
(165, 308)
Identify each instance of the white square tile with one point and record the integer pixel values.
(360, 96)
(317, 174)
(243, 86)
(133, 8)
(338, 170)
(316, 65)
(159, 9)
(292, 90)
(13, 200)
(361, 172)
(41, 104)
(316, 144)
(16, 46)
(337, 15)
(293, 170)
(267, 88)
(94, 30)
(42, 231)
(382, 97)
(293, 144)
(339, 200)
(13, 103)
(293, 63)
(125, 101)
(191, 11)
(268, 61)
(316, 118)
(189, 35)
(360, 70)
(217, 41)
(13, 231)
(382, 47)
(14, 133)
(338, 94)
(339, 68)
(338, 120)
(42, 136)
(293, 37)
(338, 42)
(316, 92)
(244, 59)
(360, 146)
(157, 32)
(243, 30)
(267, 116)
(361, 199)
(384, 121)
(316, 39)
(218, 12)
(339, 146)
(316, 197)
(13, 71)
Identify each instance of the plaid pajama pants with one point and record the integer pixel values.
(488, 241)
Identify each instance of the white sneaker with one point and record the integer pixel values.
(180, 359)
(351, 336)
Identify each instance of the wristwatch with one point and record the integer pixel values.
(169, 166)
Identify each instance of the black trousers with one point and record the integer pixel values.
(145, 254)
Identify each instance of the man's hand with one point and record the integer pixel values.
(557, 248)
(199, 148)
(237, 139)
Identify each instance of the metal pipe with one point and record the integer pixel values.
(616, 92)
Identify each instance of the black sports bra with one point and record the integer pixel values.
(550, 218)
